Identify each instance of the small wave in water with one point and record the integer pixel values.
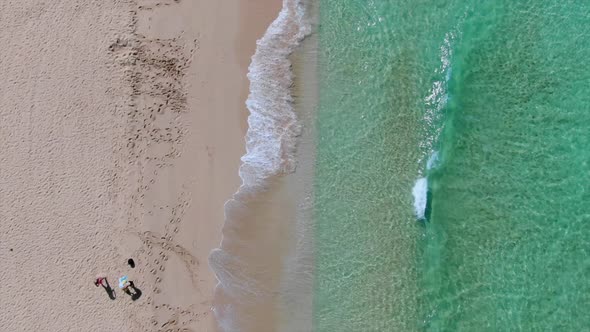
(420, 193)
(420, 189)
(436, 101)
(438, 96)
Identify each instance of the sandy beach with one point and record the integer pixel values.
(122, 125)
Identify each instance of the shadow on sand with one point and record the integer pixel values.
(136, 292)
(109, 290)
(137, 295)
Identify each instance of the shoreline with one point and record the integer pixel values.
(263, 273)
(205, 174)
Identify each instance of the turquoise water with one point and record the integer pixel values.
(501, 91)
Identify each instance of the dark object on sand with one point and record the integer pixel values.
(131, 262)
(101, 281)
(129, 288)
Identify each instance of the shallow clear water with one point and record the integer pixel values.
(502, 92)
(376, 68)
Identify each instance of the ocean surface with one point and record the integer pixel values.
(451, 172)
(452, 181)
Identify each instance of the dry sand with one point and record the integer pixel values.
(121, 129)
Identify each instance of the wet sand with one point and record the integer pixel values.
(264, 263)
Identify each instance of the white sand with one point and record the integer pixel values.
(121, 129)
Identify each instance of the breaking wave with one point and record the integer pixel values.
(436, 102)
(250, 260)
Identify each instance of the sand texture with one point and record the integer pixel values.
(121, 129)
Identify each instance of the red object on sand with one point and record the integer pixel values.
(99, 281)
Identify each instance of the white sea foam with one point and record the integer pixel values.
(438, 97)
(270, 153)
(420, 193)
(273, 126)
